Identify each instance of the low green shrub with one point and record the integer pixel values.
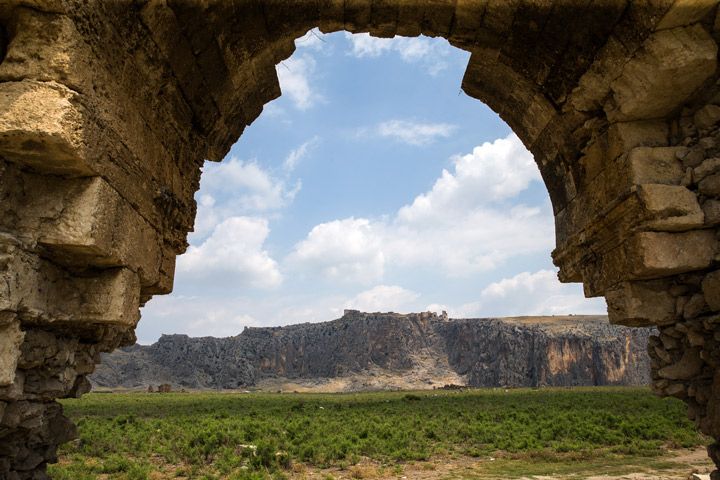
(260, 436)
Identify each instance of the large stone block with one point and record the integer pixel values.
(11, 338)
(39, 291)
(711, 290)
(606, 203)
(46, 47)
(99, 226)
(685, 12)
(645, 256)
(687, 367)
(78, 222)
(41, 126)
(624, 136)
(655, 165)
(111, 297)
(671, 65)
(657, 254)
(640, 304)
(671, 207)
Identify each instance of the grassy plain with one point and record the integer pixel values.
(267, 436)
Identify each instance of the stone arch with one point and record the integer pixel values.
(108, 109)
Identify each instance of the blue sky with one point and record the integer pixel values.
(373, 183)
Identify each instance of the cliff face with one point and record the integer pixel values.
(554, 351)
(524, 351)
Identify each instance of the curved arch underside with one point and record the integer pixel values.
(108, 109)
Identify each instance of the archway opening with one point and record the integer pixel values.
(375, 184)
(623, 123)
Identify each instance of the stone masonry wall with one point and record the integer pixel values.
(108, 109)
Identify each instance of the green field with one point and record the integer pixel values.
(257, 436)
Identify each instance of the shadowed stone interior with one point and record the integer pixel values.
(108, 109)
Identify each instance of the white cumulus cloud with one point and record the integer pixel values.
(296, 80)
(197, 316)
(253, 188)
(346, 250)
(536, 293)
(493, 171)
(383, 298)
(463, 225)
(233, 253)
(236, 187)
(465, 243)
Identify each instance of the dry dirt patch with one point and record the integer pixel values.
(675, 465)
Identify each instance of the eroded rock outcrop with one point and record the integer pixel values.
(516, 352)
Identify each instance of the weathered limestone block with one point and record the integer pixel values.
(708, 116)
(43, 125)
(100, 226)
(37, 290)
(656, 254)
(689, 366)
(11, 338)
(79, 221)
(46, 47)
(640, 304)
(608, 205)
(624, 136)
(710, 185)
(711, 290)
(646, 255)
(166, 274)
(707, 167)
(684, 12)
(655, 165)
(40, 126)
(670, 67)
(673, 208)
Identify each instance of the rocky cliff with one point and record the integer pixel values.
(389, 349)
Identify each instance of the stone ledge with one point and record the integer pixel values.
(42, 127)
(38, 291)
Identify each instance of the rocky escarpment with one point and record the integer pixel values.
(525, 351)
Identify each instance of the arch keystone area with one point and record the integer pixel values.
(108, 110)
